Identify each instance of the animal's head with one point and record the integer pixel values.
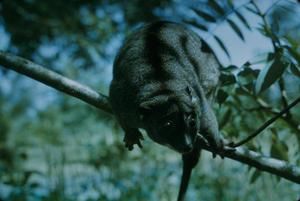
(172, 120)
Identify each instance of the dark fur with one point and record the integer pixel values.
(164, 80)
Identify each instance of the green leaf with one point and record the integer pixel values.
(252, 10)
(227, 79)
(215, 6)
(245, 89)
(255, 176)
(248, 74)
(279, 150)
(208, 17)
(229, 68)
(225, 118)
(221, 44)
(270, 56)
(241, 91)
(196, 24)
(246, 78)
(248, 63)
(230, 4)
(295, 69)
(269, 74)
(222, 96)
(249, 87)
(236, 29)
(294, 53)
(242, 19)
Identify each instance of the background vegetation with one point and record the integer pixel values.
(54, 147)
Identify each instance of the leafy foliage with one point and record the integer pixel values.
(270, 73)
(221, 11)
(83, 28)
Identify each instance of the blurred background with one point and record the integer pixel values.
(55, 147)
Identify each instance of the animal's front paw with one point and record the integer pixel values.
(222, 149)
(216, 145)
(131, 138)
(216, 148)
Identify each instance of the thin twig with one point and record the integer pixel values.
(266, 124)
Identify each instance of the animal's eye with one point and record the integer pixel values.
(192, 123)
(168, 124)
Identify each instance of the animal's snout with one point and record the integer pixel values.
(188, 143)
(187, 148)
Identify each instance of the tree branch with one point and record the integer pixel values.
(266, 124)
(261, 162)
(55, 80)
(88, 95)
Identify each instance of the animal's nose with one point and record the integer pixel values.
(188, 140)
(187, 148)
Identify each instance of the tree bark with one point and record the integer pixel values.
(55, 80)
(100, 101)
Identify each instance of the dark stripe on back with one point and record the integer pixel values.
(156, 48)
(191, 58)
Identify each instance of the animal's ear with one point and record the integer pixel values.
(189, 91)
(149, 105)
(205, 47)
(144, 109)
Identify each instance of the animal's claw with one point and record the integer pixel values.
(217, 148)
(202, 139)
(133, 138)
